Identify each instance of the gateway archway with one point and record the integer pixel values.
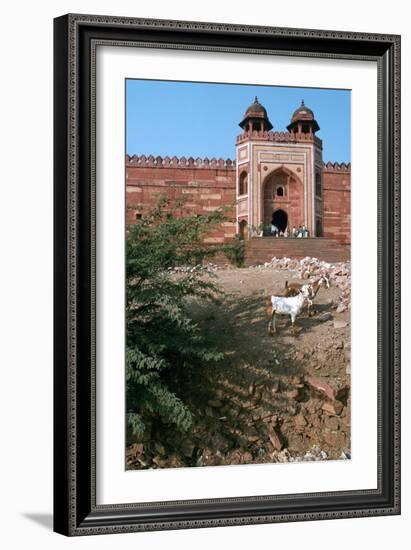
(282, 192)
(280, 219)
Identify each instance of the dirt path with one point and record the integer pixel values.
(275, 398)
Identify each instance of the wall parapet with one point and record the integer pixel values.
(288, 137)
(337, 167)
(182, 162)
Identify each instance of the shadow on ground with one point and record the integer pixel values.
(258, 387)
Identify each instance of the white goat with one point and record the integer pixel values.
(291, 306)
(293, 289)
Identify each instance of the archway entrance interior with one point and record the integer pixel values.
(282, 194)
(280, 219)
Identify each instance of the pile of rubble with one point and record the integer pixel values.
(310, 268)
(278, 422)
(306, 269)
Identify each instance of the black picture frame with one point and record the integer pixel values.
(75, 509)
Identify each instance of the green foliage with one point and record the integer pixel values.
(235, 251)
(162, 339)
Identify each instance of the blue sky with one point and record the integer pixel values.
(201, 119)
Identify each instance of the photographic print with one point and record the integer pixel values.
(237, 274)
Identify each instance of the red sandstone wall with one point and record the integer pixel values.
(337, 202)
(206, 185)
(209, 184)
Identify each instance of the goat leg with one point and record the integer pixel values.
(271, 325)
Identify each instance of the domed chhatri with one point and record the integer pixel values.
(256, 108)
(302, 112)
(303, 120)
(256, 118)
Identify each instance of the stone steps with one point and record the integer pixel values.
(262, 249)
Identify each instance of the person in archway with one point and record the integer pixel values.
(274, 230)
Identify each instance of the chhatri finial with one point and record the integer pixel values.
(302, 103)
(256, 99)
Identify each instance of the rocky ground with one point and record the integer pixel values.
(276, 398)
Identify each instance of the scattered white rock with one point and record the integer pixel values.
(314, 454)
(341, 308)
(340, 324)
(309, 268)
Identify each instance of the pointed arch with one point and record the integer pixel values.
(243, 183)
(282, 189)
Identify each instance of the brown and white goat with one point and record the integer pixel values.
(286, 305)
(293, 289)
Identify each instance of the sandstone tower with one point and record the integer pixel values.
(279, 174)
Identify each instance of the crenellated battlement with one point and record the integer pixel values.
(287, 137)
(213, 163)
(337, 167)
(182, 162)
